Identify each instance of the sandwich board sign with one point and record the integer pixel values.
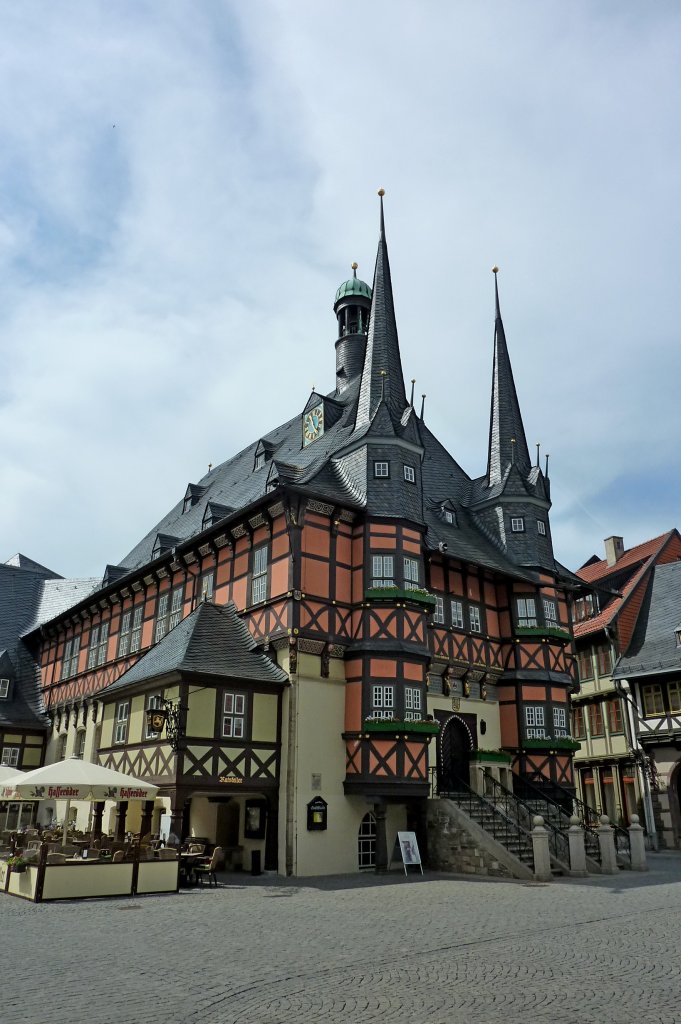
(406, 848)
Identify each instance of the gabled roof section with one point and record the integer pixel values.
(382, 374)
(211, 641)
(654, 648)
(598, 569)
(20, 561)
(163, 543)
(507, 442)
(214, 513)
(192, 495)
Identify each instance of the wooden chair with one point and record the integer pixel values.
(209, 867)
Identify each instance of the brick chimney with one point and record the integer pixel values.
(614, 549)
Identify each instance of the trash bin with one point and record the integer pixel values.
(255, 862)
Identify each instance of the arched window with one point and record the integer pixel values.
(366, 842)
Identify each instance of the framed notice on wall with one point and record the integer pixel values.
(406, 849)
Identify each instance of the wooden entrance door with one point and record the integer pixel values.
(455, 746)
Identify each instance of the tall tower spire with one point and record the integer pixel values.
(507, 442)
(382, 373)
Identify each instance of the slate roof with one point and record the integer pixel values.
(506, 423)
(211, 641)
(653, 648)
(57, 596)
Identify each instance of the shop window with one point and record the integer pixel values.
(439, 611)
(382, 701)
(4, 689)
(234, 716)
(411, 573)
(382, 571)
(534, 722)
(121, 724)
(652, 700)
(674, 694)
(456, 610)
(366, 842)
(526, 611)
(99, 639)
(70, 662)
(578, 726)
(10, 757)
(596, 719)
(614, 716)
(474, 619)
(259, 577)
(412, 704)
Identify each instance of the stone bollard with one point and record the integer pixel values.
(540, 849)
(637, 845)
(577, 847)
(606, 841)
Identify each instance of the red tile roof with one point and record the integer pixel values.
(601, 570)
(605, 617)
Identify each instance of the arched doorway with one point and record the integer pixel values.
(456, 743)
(674, 792)
(366, 842)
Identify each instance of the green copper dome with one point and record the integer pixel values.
(353, 286)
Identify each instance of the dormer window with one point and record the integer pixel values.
(4, 689)
(448, 514)
(260, 460)
(678, 636)
(192, 496)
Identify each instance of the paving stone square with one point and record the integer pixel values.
(432, 950)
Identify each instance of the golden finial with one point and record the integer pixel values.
(381, 192)
(495, 269)
(384, 373)
(354, 266)
(210, 466)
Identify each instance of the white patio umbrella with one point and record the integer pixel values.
(76, 779)
(7, 789)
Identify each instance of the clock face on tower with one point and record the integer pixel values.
(313, 424)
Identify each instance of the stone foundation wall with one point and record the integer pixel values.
(452, 848)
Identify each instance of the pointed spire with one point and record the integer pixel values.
(507, 442)
(383, 349)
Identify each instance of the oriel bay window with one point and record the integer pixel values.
(456, 610)
(411, 573)
(474, 618)
(550, 613)
(526, 610)
(560, 722)
(412, 704)
(534, 722)
(234, 715)
(382, 701)
(382, 571)
(439, 610)
(259, 575)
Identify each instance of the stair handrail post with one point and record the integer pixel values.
(637, 845)
(606, 842)
(576, 839)
(540, 850)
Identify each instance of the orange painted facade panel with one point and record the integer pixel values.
(437, 577)
(358, 551)
(279, 578)
(241, 565)
(239, 592)
(316, 541)
(343, 550)
(343, 585)
(315, 577)
(492, 619)
(473, 589)
(558, 696)
(382, 529)
(509, 725)
(456, 583)
(411, 547)
(382, 668)
(280, 546)
(383, 543)
(506, 693)
(414, 671)
(533, 692)
(353, 669)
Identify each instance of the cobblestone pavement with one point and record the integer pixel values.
(423, 951)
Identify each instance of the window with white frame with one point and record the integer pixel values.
(260, 460)
(541, 527)
(412, 704)
(534, 722)
(526, 610)
(70, 662)
(154, 702)
(61, 747)
(4, 688)
(560, 722)
(381, 469)
(162, 616)
(550, 613)
(382, 701)
(136, 632)
(10, 757)
(121, 722)
(176, 602)
(98, 641)
(259, 578)
(456, 610)
(124, 634)
(517, 524)
(234, 715)
(79, 749)
(439, 610)
(411, 573)
(474, 618)
(449, 516)
(382, 571)
(409, 474)
(207, 586)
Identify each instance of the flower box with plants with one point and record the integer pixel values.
(399, 594)
(553, 631)
(17, 863)
(562, 743)
(490, 756)
(398, 725)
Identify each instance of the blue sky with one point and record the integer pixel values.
(183, 186)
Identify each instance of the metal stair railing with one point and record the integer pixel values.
(505, 829)
(559, 844)
(559, 809)
(621, 835)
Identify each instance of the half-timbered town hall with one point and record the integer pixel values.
(332, 625)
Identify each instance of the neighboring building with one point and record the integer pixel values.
(605, 618)
(651, 672)
(315, 611)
